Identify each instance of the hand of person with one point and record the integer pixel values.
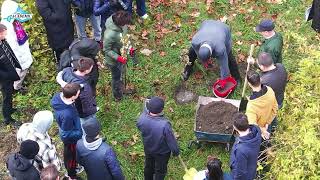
(250, 60)
(122, 60)
(208, 64)
(132, 52)
(265, 134)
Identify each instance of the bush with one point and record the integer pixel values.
(298, 139)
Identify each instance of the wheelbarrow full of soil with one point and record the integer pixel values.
(213, 121)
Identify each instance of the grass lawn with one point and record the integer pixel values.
(159, 73)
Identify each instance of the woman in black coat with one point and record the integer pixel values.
(57, 19)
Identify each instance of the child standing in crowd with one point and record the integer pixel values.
(38, 131)
(68, 121)
(18, 41)
(158, 139)
(20, 164)
(8, 74)
(57, 19)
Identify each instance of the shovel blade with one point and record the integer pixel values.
(243, 105)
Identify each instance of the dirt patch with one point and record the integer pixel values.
(182, 95)
(215, 117)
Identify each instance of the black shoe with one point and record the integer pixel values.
(186, 75)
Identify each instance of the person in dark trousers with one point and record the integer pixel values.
(245, 150)
(68, 121)
(86, 104)
(116, 26)
(141, 8)
(84, 47)
(20, 164)
(315, 15)
(8, 74)
(57, 19)
(213, 40)
(273, 41)
(158, 139)
(96, 156)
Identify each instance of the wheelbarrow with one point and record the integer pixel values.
(202, 136)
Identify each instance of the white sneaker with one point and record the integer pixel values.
(145, 16)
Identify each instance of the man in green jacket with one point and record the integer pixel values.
(116, 26)
(272, 42)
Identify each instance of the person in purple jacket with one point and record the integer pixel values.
(158, 139)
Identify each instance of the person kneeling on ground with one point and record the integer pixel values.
(38, 131)
(50, 173)
(245, 150)
(96, 156)
(20, 164)
(213, 171)
(158, 139)
(262, 105)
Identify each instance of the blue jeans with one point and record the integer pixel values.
(81, 26)
(141, 7)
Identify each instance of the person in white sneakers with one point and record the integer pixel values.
(141, 8)
(37, 131)
(18, 41)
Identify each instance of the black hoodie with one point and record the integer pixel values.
(21, 168)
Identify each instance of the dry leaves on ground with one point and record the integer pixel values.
(146, 52)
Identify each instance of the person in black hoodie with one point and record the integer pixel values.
(245, 150)
(57, 19)
(8, 74)
(20, 164)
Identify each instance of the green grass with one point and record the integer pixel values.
(119, 119)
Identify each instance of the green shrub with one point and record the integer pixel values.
(298, 139)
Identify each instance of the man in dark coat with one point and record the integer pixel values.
(315, 15)
(158, 139)
(57, 19)
(213, 40)
(8, 74)
(96, 156)
(20, 164)
(245, 150)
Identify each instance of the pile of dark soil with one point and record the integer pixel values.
(215, 117)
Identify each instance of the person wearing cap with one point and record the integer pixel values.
(213, 40)
(8, 74)
(68, 121)
(18, 41)
(158, 139)
(273, 41)
(20, 164)
(37, 131)
(96, 156)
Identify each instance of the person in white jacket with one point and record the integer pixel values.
(38, 131)
(22, 52)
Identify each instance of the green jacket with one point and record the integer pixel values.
(112, 41)
(273, 46)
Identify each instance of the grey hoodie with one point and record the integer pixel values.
(21, 168)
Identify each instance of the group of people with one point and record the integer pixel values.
(75, 107)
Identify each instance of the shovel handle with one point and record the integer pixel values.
(248, 67)
(183, 164)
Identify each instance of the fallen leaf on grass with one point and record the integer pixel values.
(274, 1)
(173, 44)
(241, 58)
(162, 53)
(176, 135)
(208, 4)
(239, 42)
(198, 75)
(224, 19)
(195, 14)
(171, 110)
(144, 34)
(146, 52)
(114, 143)
(238, 33)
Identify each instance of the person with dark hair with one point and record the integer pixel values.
(50, 173)
(116, 27)
(68, 121)
(96, 156)
(213, 171)
(8, 74)
(273, 41)
(86, 104)
(84, 12)
(213, 40)
(141, 8)
(262, 105)
(158, 139)
(20, 164)
(57, 19)
(245, 150)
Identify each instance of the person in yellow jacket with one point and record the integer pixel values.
(262, 105)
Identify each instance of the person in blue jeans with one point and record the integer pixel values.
(83, 12)
(141, 8)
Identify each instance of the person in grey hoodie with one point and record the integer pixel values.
(96, 156)
(20, 164)
(213, 40)
(158, 139)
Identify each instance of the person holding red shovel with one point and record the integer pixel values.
(213, 40)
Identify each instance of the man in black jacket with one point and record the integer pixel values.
(8, 74)
(57, 19)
